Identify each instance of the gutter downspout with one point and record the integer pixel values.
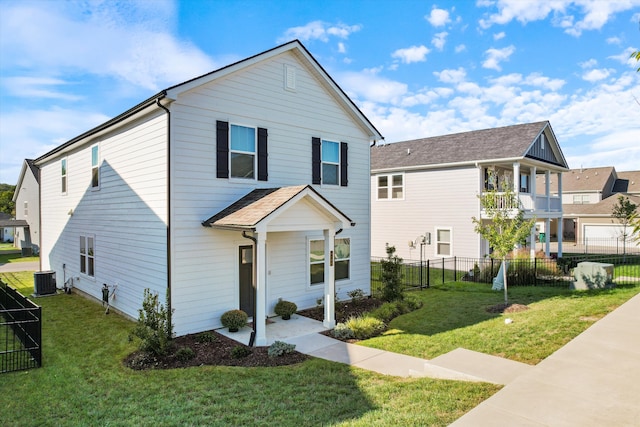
(169, 308)
(253, 279)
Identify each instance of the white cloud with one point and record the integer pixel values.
(597, 74)
(412, 54)
(451, 76)
(368, 86)
(499, 35)
(439, 40)
(613, 40)
(460, 48)
(588, 64)
(438, 17)
(128, 41)
(319, 30)
(496, 56)
(342, 48)
(37, 87)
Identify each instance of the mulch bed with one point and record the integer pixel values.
(507, 308)
(218, 352)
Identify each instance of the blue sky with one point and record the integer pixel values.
(415, 68)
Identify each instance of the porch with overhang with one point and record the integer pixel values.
(283, 209)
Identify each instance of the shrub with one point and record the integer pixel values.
(385, 312)
(154, 327)
(205, 337)
(280, 348)
(391, 275)
(239, 351)
(342, 332)
(234, 320)
(185, 353)
(356, 295)
(364, 327)
(285, 309)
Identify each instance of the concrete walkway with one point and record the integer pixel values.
(13, 267)
(593, 381)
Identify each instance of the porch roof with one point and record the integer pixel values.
(13, 223)
(261, 204)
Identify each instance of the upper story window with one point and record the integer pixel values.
(581, 199)
(391, 187)
(95, 167)
(63, 176)
(243, 152)
(329, 162)
(443, 242)
(26, 208)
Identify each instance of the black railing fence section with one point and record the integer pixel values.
(520, 272)
(20, 331)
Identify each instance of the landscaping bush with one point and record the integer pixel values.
(205, 337)
(280, 348)
(234, 320)
(365, 327)
(342, 332)
(153, 327)
(238, 352)
(185, 353)
(356, 295)
(385, 312)
(391, 275)
(285, 309)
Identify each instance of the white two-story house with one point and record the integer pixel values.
(231, 190)
(424, 192)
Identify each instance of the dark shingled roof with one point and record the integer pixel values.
(497, 143)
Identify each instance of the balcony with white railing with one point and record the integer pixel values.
(526, 203)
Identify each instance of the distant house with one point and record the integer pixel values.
(232, 190)
(424, 192)
(588, 198)
(27, 201)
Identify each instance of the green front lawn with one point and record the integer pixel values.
(10, 254)
(83, 382)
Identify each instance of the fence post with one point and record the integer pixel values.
(535, 271)
(443, 270)
(428, 275)
(455, 269)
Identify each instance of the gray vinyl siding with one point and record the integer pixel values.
(30, 193)
(127, 215)
(204, 261)
(438, 198)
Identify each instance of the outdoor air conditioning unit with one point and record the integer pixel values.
(44, 283)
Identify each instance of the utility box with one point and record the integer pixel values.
(44, 283)
(593, 275)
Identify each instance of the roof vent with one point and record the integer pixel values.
(289, 77)
(408, 151)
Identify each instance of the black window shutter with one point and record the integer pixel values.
(222, 149)
(344, 164)
(316, 161)
(262, 155)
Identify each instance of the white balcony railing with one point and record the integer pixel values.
(526, 203)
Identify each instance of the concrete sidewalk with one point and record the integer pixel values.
(13, 267)
(594, 380)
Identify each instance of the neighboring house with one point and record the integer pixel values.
(255, 175)
(429, 187)
(27, 201)
(7, 228)
(588, 198)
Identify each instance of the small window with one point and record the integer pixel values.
(330, 162)
(342, 260)
(87, 260)
(542, 143)
(391, 187)
(581, 199)
(524, 183)
(63, 174)
(26, 208)
(242, 152)
(95, 167)
(443, 241)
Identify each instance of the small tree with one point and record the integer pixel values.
(624, 212)
(506, 226)
(391, 275)
(154, 327)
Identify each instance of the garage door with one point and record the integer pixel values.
(603, 231)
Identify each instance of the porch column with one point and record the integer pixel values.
(561, 220)
(532, 237)
(259, 317)
(516, 180)
(547, 190)
(547, 229)
(532, 186)
(329, 279)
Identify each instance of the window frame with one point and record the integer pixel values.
(64, 169)
(232, 151)
(527, 187)
(321, 262)
(88, 256)
(438, 241)
(324, 162)
(95, 168)
(390, 186)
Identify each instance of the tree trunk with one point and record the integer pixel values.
(504, 278)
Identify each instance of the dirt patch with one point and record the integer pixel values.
(218, 352)
(507, 308)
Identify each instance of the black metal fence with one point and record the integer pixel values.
(520, 272)
(20, 331)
